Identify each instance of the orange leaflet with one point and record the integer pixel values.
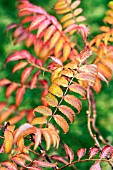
(61, 122)
(19, 95)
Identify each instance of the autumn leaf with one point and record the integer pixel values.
(43, 110)
(51, 100)
(75, 102)
(61, 122)
(56, 90)
(81, 152)
(69, 153)
(19, 95)
(68, 112)
(8, 140)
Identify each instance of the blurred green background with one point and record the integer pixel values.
(78, 135)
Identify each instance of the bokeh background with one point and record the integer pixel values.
(78, 136)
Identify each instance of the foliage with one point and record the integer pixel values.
(55, 62)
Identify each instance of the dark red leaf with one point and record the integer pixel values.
(81, 152)
(106, 150)
(93, 151)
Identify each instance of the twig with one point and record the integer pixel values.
(40, 67)
(84, 160)
(89, 119)
(93, 104)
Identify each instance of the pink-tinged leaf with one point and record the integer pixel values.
(4, 82)
(92, 68)
(10, 89)
(24, 130)
(95, 166)
(56, 60)
(59, 159)
(93, 151)
(81, 152)
(78, 89)
(18, 31)
(25, 74)
(68, 112)
(69, 153)
(11, 26)
(2, 105)
(18, 55)
(34, 79)
(75, 102)
(24, 156)
(102, 77)
(19, 66)
(19, 95)
(86, 77)
(19, 161)
(37, 138)
(61, 122)
(44, 164)
(106, 150)
(22, 37)
(42, 27)
(9, 165)
(43, 110)
(36, 22)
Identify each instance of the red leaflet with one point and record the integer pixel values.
(39, 62)
(93, 151)
(69, 153)
(25, 74)
(19, 95)
(12, 87)
(4, 82)
(56, 60)
(96, 166)
(22, 37)
(81, 152)
(18, 31)
(19, 66)
(34, 79)
(18, 55)
(106, 150)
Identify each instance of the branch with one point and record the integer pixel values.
(89, 119)
(93, 104)
(84, 160)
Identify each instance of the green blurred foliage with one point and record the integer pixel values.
(78, 135)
